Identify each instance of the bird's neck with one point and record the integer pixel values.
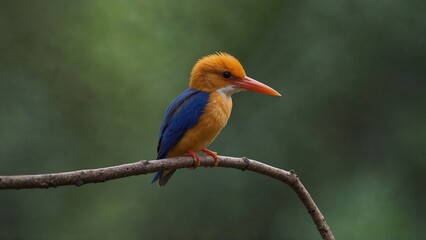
(221, 105)
(228, 90)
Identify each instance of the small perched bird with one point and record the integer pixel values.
(195, 117)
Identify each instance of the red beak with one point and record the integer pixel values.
(255, 86)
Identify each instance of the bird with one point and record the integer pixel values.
(194, 119)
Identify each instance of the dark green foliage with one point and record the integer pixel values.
(84, 84)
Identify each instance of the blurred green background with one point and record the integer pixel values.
(84, 84)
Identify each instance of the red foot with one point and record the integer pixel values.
(213, 154)
(195, 157)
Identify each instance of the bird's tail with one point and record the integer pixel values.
(162, 177)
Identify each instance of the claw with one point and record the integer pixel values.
(195, 157)
(213, 154)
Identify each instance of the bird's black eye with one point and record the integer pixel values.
(226, 74)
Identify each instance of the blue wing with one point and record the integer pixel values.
(182, 114)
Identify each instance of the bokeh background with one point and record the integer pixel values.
(84, 84)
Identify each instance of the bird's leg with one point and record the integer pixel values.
(195, 157)
(213, 154)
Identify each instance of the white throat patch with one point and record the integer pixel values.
(228, 90)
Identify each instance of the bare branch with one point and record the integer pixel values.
(82, 177)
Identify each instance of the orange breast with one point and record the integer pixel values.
(215, 117)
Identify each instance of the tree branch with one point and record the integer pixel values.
(82, 177)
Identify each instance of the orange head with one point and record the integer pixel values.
(223, 72)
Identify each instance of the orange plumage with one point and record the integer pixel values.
(195, 118)
(206, 75)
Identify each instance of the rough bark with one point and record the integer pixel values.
(81, 177)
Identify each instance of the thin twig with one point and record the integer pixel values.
(82, 177)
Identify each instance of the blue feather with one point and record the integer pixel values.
(182, 114)
(157, 176)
